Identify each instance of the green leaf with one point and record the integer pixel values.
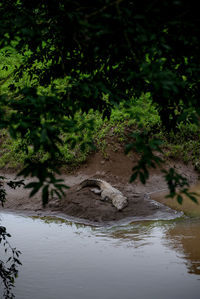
(35, 186)
(133, 177)
(45, 195)
(179, 199)
(192, 195)
(142, 178)
(128, 148)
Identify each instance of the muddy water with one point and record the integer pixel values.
(188, 206)
(158, 260)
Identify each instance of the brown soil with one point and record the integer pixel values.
(84, 204)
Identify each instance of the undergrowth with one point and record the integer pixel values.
(91, 134)
(183, 145)
(92, 131)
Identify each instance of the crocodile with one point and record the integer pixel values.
(108, 193)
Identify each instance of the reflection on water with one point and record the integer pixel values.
(189, 207)
(185, 238)
(158, 260)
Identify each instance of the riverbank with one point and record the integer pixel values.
(86, 205)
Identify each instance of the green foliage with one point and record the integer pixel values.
(138, 111)
(154, 49)
(183, 144)
(72, 57)
(77, 141)
(174, 181)
(9, 267)
(147, 148)
(12, 184)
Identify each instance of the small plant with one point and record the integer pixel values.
(9, 267)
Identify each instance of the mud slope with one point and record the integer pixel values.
(115, 169)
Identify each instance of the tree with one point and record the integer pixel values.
(107, 52)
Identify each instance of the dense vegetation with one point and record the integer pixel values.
(66, 65)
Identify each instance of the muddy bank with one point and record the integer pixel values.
(86, 205)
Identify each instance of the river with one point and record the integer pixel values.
(148, 259)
